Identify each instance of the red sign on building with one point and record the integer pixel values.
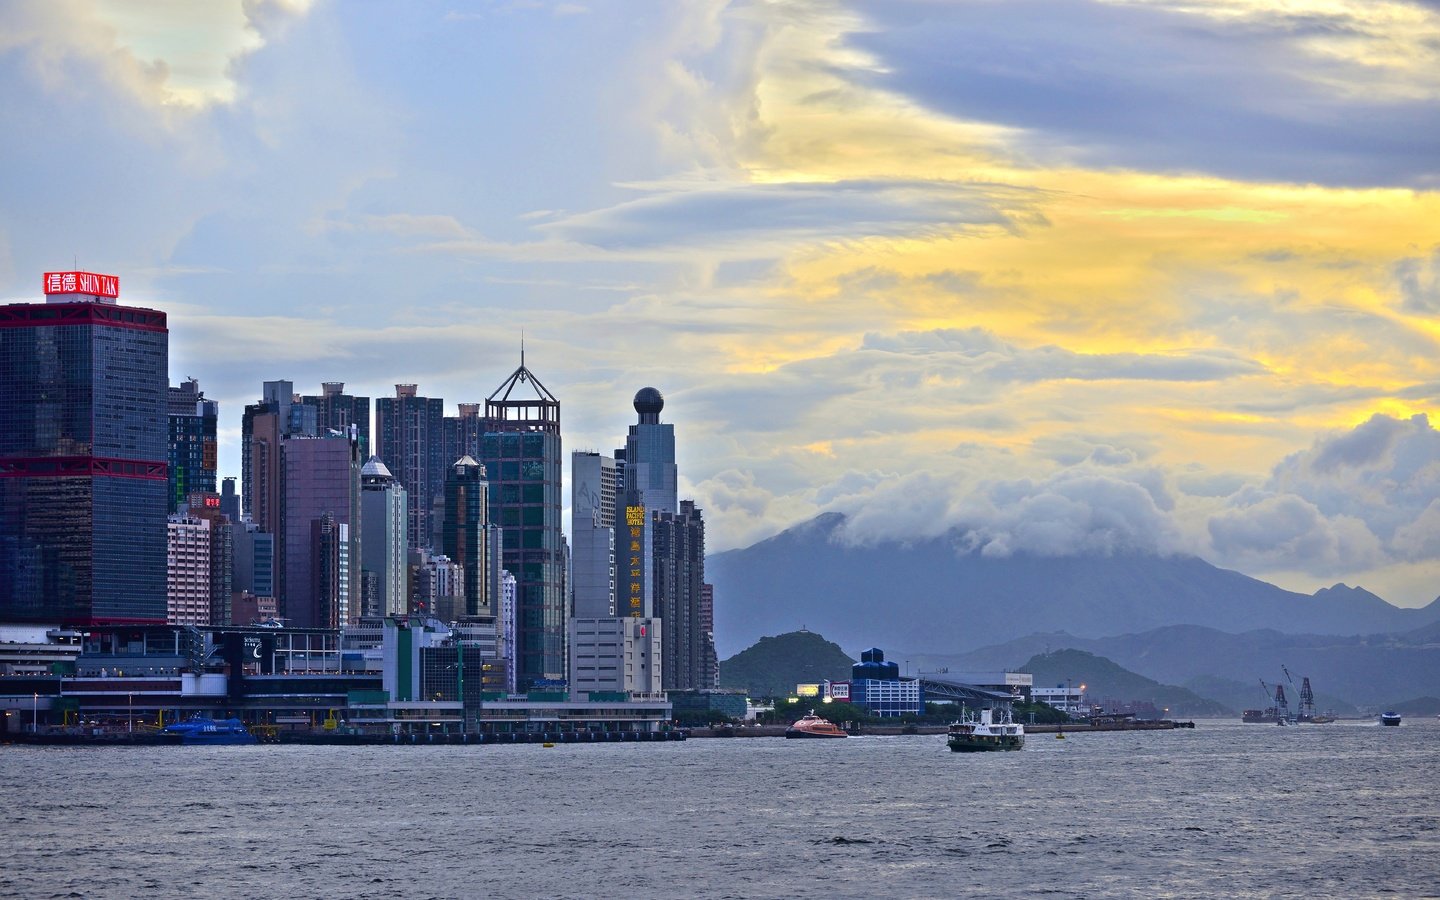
(82, 283)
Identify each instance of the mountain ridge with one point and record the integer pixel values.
(929, 596)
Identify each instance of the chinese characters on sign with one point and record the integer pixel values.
(635, 522)
(82, 283)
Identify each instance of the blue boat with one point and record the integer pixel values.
(1390, 718)
(209, 731)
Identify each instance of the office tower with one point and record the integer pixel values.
(679, 578)
(83, 443)
(321, 511)
(336, 411)
(465, 532)
(520, 450)
(385, 513)
(509, 642)
(592, 535)
(410, 437)
(192, 442)
(254, 556)
(229, 500)
(647, 485)
(462, 432)
(263, 427)
(187, 584)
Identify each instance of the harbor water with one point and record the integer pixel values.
(1231, 810)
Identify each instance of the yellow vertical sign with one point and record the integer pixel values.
(635, 522)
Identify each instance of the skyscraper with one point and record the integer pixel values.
(520, 450)
(592, 535)
(384, 546)
(320, 531)
(83, 445)
(263, 427)
(336, 410)
(465, 532)
(648, 485)
(679, 578)
(410, 438)
(193, 448)
(462, 432)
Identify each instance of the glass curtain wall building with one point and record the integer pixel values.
(410, 439)
(193, 447)
(83, 445)
(520, 450)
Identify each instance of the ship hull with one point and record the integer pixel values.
(797, 733)
(984, 744)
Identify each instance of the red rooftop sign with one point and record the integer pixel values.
(82, 283)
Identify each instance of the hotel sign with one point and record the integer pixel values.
(635, 525)
(82, 283)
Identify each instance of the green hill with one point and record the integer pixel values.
(1108, 683)
(774, 665)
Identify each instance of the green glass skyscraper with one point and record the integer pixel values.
(520, 449)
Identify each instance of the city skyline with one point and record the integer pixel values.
(869, 274)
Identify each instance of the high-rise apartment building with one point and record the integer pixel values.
(385, 544)
(193, 447)
(336, 411)
(207, 505)
(520, 450)
(462, 432)
(465, 532)
(83, 447)
(188, 571)
(679, 577)
(410, 438)
(320, 531)
(592, 535)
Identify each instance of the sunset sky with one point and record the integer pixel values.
(1068, 276)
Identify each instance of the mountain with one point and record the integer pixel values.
(1111, 685)
(931, 596)
(1345, 672)
(774, 665)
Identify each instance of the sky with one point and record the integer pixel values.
(1055, 276)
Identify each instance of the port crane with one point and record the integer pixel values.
(1282, 706)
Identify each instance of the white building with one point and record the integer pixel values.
(1067, 699)
(615, 654)
(187, 581)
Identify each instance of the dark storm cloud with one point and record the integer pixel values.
(1162, 90)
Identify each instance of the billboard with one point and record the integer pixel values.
(82, 283)
(635, 523)
(840, 690)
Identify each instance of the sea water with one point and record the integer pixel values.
(1225, 810)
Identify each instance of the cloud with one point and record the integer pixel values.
(1418, 280)
(1336, 93)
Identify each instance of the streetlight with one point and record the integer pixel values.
(131, 717)
(35, 713)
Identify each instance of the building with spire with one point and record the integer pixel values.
(520, 449)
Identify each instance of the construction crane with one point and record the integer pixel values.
(1282, 706)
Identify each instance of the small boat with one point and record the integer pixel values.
(209, 731)
(983, 732)
(1390, 718)
(812, 726)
